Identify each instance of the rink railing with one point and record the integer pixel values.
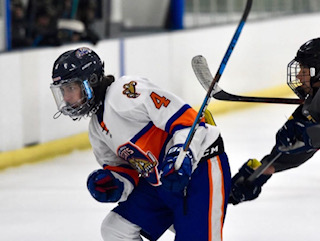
(258, 62)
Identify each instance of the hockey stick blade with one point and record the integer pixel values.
(202, 72)
(214, 82)
(204, 76)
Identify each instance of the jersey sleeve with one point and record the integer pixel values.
(288, 161)
(108, 160)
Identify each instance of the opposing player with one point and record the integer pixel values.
(299, 138)
(136, 131)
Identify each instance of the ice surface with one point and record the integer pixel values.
(49, 200)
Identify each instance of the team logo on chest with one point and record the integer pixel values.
(143, 162)
(130, 90)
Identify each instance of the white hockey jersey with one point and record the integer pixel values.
(138, 124)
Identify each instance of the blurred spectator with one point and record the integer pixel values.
(70, 30)
(86, 13)
(45, 32)
(19, 28)
(73, 20)
(53, 22)
(64, 9)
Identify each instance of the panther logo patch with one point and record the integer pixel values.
(144, 163)
(143, 166)
(130, 90)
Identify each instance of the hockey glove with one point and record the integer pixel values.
(241, 190)
(176, 180)
(104, 187)
(293, 137)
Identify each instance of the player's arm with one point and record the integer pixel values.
(244, 191)
(171, 114)
(241, 189)
(297, 140)
(112, 183)
(116, 179)
(298, 136)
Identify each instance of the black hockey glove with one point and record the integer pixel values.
(241, 189)
(293, 137)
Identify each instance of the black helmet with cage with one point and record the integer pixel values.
(78, 70)
(308, 56)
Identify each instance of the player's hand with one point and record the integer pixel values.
(176, 180)
(241, 189)
(104, 187)
(293, 137)
(286, 135)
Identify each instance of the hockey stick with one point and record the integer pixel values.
(212, 87)
(201, 70)
(222, 95)
(204, 76)
(262, 168)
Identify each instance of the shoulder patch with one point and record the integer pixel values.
(130, 90)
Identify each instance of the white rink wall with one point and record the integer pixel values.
(258, 61)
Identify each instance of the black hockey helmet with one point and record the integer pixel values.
(80, 69)
(308, 56)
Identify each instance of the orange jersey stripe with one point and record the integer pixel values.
(153, 140)
(210, 196)
(222, 193)
(211, 190)
(186, 119)
(132, 173)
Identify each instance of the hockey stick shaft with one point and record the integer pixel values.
(216, 79)
(222, 95)
(260, 170)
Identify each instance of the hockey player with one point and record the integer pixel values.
(136, 131)
(299, 138)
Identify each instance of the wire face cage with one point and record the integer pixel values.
(298, 78)
(292, 71)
